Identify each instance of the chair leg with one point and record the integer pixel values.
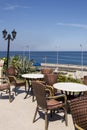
(35, 114)
(66, 120)
(9, 95)
(15, 91)
(51, 113)
(32, 98)
(46, 120)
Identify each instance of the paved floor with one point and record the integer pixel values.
(18, 115)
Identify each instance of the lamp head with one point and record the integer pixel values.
(14, 34)
(4, 33)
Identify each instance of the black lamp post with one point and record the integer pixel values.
(8, 37)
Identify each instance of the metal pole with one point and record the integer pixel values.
(28, 47)
(81, 59)
(45, 61)
(8, 51)
(29, 52)
(57, 60)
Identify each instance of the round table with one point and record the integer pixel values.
(70, 87)
(31, 77)
(71, 90)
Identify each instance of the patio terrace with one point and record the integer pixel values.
(18, 115)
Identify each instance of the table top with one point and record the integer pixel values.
(33, 76)
(70, 87)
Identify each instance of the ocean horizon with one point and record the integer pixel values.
(52, 57)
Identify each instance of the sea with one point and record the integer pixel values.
(53, 57)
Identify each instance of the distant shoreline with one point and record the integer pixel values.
(67, 67)
(76, 71)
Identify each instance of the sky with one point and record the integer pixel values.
(44, 25)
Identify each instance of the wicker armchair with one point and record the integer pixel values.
(5, 86)
(78, 107)
(47, 103)
(11, 73)
(50, 79)
(85, 82)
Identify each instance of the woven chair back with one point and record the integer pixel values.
(78, 107)
(11, 71)
(85, 80)
(46, 71)
(50, 79)
(39, 92)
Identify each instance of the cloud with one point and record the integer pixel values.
(73, 25)
(13, 7)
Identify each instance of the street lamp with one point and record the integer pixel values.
(45, 60)
(56, 69)
(81, 58)
(8, 37)
(57, 58)
(28, 51)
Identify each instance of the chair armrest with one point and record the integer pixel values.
(50, 89)
(48, 92)
(4, 80)
(78, 127)
(12, 78)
